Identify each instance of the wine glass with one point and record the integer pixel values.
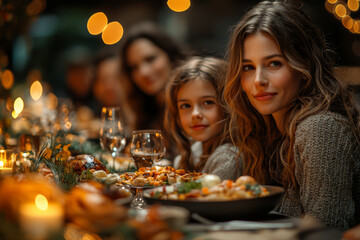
(112, 137)
(147, 146)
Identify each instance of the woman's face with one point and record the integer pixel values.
(199, 113)
(150, 66)
(267, 78)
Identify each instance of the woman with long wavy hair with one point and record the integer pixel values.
(292, 119)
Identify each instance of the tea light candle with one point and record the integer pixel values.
(5, 171)
(41, 218)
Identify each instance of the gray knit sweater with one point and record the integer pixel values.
(327, 169)
(223, 162)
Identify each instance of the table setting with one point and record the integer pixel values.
(60, 185)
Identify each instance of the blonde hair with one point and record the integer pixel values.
(268, 154)
(208, 69)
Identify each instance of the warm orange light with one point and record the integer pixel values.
(348, 22)
(35, 7)
(340, 10)
(178, 5)
(36, 90)
(112, 33)
(51, 101)
(1, 164)
(97, 23)
(353, 5)
(356, 26)
(7, 79)
(332, 1)
(41, 202)
(18, 105)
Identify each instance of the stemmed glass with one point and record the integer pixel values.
(147, 146)
(112, 137)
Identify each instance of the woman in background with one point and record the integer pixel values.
(292, 119)
(148, 56)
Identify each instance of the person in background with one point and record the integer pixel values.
(292, 119)
(195, 112)
(79, 83)
(148, 55)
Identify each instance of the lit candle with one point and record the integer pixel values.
(41, 218)
(5, 170)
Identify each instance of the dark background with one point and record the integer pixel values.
(58, 35)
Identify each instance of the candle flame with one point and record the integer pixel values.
(41, 202)
(36, 90)
(1, 164)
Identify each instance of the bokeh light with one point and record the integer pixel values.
(347, 22)
(51, 101)
(340, 10)
(178, 5)
(18, 105)
(332, 1)
(7, 79)
(112, 33)
(356, 26)
(35, 7)
(97, 23)
(36, 90)
(353, 5)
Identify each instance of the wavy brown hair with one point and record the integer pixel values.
(268, 154)
(208, 69)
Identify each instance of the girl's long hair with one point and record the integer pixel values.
(268, 154)
(208, 69)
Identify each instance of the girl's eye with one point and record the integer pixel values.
(275, 64)
(184, 106)
(247, 68)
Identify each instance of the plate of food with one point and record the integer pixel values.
(219, 200)
(149, 177)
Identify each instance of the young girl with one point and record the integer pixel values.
(194, 112)
(295, 122)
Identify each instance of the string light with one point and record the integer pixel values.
(342, 11)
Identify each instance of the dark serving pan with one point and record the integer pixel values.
(225, 210)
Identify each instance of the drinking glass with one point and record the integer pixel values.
(146, 147)
(112, 137)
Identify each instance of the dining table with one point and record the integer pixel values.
(272, 226)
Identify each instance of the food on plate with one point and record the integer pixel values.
(158, 176)
(83, 162)
(244, 187)
(103, 177)
(91, 206)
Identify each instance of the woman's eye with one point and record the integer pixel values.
(247, 68)
(150, 59)
(209, 102)
(275, 64)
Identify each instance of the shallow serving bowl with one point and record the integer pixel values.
(225, 210)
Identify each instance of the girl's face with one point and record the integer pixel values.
(200, 115)
(267, 78)
(150, 66)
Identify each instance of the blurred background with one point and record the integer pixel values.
(48, 36)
